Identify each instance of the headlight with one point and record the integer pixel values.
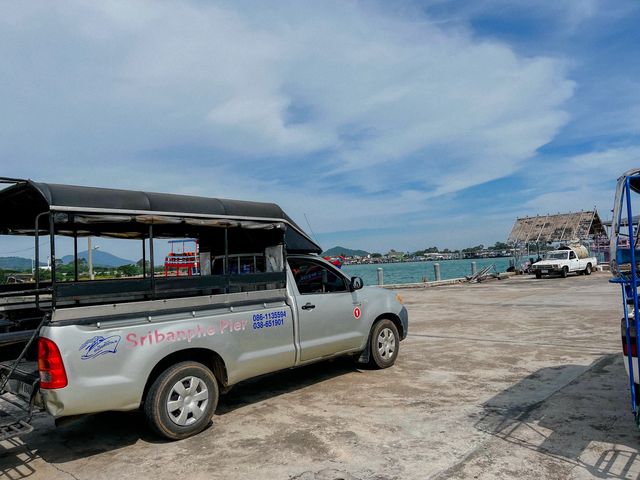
(555, 265)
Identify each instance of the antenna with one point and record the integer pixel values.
(311, 229)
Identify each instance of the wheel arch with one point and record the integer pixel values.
(366, 353)
(394, 318)
(208, 358)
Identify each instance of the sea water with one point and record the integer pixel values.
(412, 272)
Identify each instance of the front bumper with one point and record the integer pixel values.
(404, 319)
(546, 268)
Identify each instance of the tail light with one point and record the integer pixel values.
(52, 372)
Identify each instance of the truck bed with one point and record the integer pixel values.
(16, 400)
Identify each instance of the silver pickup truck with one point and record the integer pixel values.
(171, 344)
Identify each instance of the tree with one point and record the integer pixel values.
(143, 263)
(477, 248)
(376, 255)
(128, 270)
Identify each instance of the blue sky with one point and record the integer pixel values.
(390, 125)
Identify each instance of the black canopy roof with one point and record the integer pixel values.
(21, 202)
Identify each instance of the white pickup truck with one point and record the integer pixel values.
(565, 261)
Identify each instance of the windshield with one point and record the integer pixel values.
(556, 255)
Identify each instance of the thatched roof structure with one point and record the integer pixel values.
(562, 227)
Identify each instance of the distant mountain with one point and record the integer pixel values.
(16, 263)
(100, 259)
(348, 252)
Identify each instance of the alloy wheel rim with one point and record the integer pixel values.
(386, 343)
(187, 401)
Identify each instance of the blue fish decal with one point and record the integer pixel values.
(99, 345)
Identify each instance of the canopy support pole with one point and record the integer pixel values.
(75, 255)
(36, 236)
(226, 259)
(153, 279)
(52, 257)
(144, 257)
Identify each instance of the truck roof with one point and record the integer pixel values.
(25, 199)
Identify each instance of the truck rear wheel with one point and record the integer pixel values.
(181, 401)
(564, 272)
(587, 271)
(385, 344)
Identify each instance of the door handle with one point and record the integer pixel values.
(308, 306)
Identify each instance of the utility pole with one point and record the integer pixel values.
(90, 258)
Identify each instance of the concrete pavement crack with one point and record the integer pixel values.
(64, 471)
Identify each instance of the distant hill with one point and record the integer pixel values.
(16, 263)
(335, 251)
(100, 259)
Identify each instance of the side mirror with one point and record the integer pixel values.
(356, 283)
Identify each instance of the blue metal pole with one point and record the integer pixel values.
(634, 282)
(627, 327)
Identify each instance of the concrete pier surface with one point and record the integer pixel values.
(519, 378)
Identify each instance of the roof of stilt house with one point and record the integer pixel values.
(561, 227)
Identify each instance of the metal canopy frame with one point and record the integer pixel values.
(624, 268)
(147, 287)
(146, 225)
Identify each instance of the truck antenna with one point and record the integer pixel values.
(310, 229)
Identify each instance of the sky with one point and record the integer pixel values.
(375, 125)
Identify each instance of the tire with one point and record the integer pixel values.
(564, 272)
(384, 344)
(538, 275)
(588, 270)
(180, 381)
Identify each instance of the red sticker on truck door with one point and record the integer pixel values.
(356, 313)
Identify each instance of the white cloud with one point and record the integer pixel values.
(339, 89)
(581, 182)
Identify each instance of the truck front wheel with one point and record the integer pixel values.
(181, 401)
(385, 343)
(587, 271)
(564, 272)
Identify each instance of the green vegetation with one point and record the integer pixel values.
(427, 250)
(347, 252)
(494, 250)
(66, 271)
(477, 248)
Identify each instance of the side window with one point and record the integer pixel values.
(313, 277)
(240, 264)
(572, 256)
